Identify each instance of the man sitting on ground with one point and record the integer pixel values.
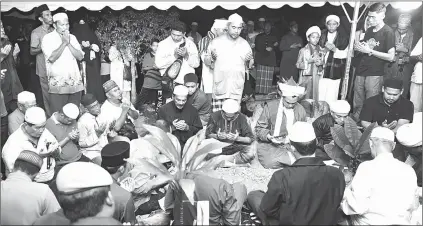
(16, 118)
(197, 98)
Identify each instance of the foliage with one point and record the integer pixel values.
(350, 146)
(133, 30)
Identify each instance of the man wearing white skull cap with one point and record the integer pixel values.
(219, 28)
(26, 100)
(231, 56)
(32, 136)
(336, 44)
(62, 51)
(275, 123)
(299, 181)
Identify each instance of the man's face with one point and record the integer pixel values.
(65, 119)
(114, 94)
(289, 102)
(234, 30)
(375, 18)
(314, 38)
(221, 31)
(46, 17)
(294, 29)
(154, 46)
(95, 109)
(177, 35)
(332, 26)
(35, 130)
(267, 28)
(261, 24)
(27, 105)
(229, 116)
(391, 95)
(194, 28)
(179, 101)
(339, 118)
(251, 105)
(62, 26)
(402, 28)
(192, 87)
(250, 27)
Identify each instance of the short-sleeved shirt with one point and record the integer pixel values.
(3, 110)
(16, 118)
(381, 41)
(37, 36)
(376, 110)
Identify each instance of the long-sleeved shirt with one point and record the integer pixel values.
(262, 56)
(24, 201)
(207, 71)
(383, 192)
(417, 74)
(165, 56)
(239, 124)
(90, 143)
(15, 119)
(200, 101)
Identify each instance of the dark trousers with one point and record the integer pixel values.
(57, 101)
(253, 203)
(24, 74)
(147, 96)
(35, 87)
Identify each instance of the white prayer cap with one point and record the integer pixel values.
(230, 106)
(312, 30)
(35, 116)
(340, 106)
(235, 18)
(291, 89)
(383, 133)
(26, 97)
(71, 110)
(80, 176)
(59, 16)
(220, 24)
(261, 19)
(250, 22)
(302, 132)
(180, 91)
(194, 24)
(333, 17)
(410, 135)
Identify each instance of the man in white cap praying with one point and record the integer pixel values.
(16, 118)
(183, 117)
(339, 110)
(194, 33)
(231, 56)
(231, 126)
(32, 136)
(372, 198)
(307, 194)
(275, 123)
(220, 27)
(336, 43)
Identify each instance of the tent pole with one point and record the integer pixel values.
(350, 50)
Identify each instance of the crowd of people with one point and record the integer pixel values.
(70, 139)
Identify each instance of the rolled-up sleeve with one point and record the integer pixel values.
(35, 40)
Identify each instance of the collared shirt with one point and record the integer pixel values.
(239, 124)
(262, 56)
(417, 74)
(56, 218)
(110, 113)
(24, 201)
(307, 193)
(63, 75)
(383, 192)
(376, 110)
(16, 118)
(90, 144)
(37, 36)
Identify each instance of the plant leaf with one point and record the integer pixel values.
(364, 144)
(351, 131)
(189, 150)
(212, 145)
(349, 151)
(165, 145)
(339, 136)
(211, 164)
(188, 187)
(337, 154)
(148, 166)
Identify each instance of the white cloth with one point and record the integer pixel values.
(340, 106)
(91, 144)
(279, 116)
(35, 116)
(383, 192)
(328, 89)
(235, 18)
(117, 70)
(289, 114)
(410, 135)
(417, 74)
(207, 76)
(383, 133)
(60, 16)
(313, 29)
(338, 54)
(110, 113)
(26, 97)
(302, 132)
(71, 110)
(332, 17)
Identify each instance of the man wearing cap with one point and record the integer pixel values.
(231, 126)
(113, 157)
(197, 98)
(31, 136)
(336, 44)
(290, 47)
(16, 118)
(231, 55)
(339, 110)
(40, 83)
(194, 34)
(22, 200)
(219, 28)
(183, 117)
(62, 51)
(118, 115)
(251, 34)
(383, 190)
(92, 132)
(389, 109)
(275, 123)
(307, 194)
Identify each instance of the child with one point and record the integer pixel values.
(310, 63)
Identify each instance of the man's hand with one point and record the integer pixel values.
(145, 188)
(391, 125)
(214, 54)
(6, 49)
(181, 51)
(233, 136)
(221, 135)
(276, 44)
(95, 48)
(3, 73)
(125, 106)
(16, 50)
(181, 125)
(330, 46)
(399, 47)
(66, 37)
(274, 140)
(101, 128)
(269, 49)
(362, 47)
(86, 44)
(74, 135)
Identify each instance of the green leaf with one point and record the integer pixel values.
(188, 187)
(202, 152)
(165, 145)
(337, 154)
(351, 131)
(364, 144)
(339, 136)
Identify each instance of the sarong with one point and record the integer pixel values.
(264, 79)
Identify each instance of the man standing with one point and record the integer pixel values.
(196, 37)
(265, 58)
(26, 100)
(40, 84)
(197, 98)
(62, 53)
(24, 201)
(183, 117)
(219, 28)
(290, 47)
(416, 89)
(336, 44)
(291, 198)
(170, 50)
(368, 199)
(378, 47)
(231, 55)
